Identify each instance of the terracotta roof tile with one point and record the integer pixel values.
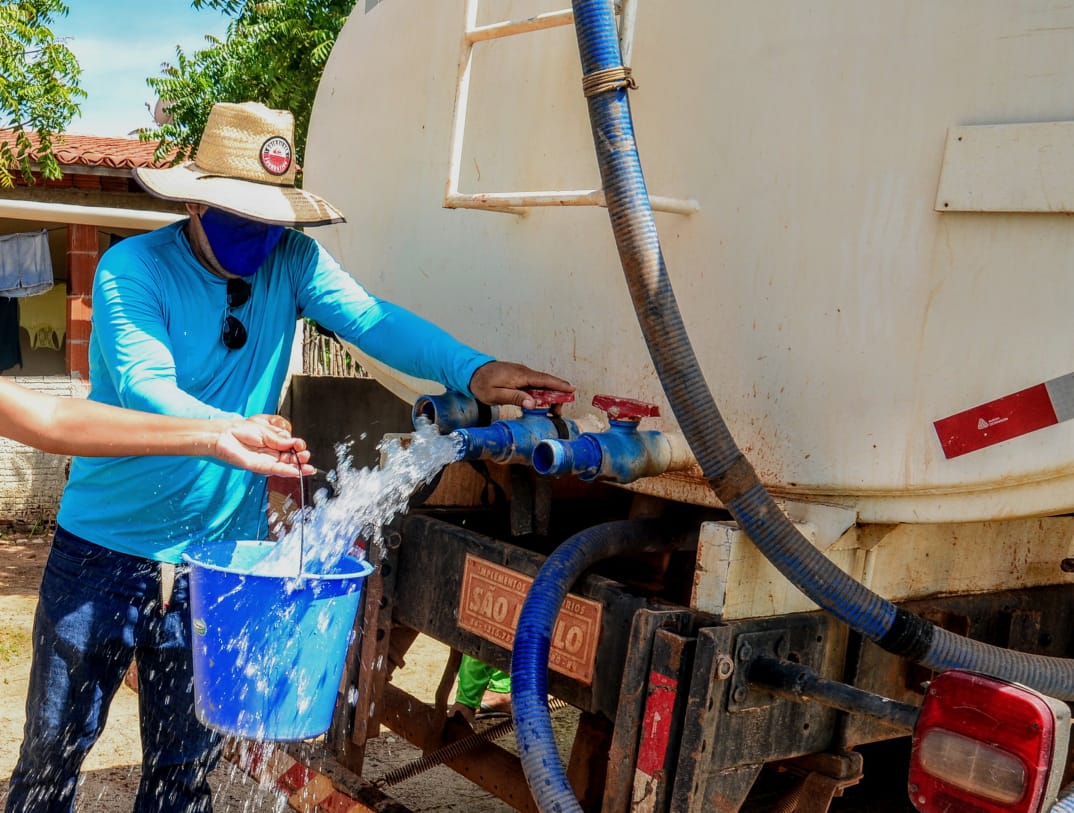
(97, 151)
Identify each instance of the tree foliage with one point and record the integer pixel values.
(39, 88)
(273, 52)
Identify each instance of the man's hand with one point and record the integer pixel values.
(264, 445)
(503, 382)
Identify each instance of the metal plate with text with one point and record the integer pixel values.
(490, 603)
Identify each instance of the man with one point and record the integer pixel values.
(195, 319)
(73, 426)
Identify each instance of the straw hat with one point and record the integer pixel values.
(245, 165)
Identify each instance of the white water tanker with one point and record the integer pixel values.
(875, 231)
(865, 214)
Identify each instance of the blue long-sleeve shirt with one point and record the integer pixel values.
(155, 346)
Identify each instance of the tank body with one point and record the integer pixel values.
(883, 234)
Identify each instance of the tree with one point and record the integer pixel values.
(273, 52)
(39, 89)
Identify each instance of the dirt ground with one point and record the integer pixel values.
(110, 775)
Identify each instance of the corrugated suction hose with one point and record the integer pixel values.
(533, 640)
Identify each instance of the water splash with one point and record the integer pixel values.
(365, 499)
(277, 682)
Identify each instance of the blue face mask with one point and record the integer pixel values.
(240, 245)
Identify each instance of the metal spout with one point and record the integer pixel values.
(453, 410)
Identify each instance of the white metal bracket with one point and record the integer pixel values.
(519, 202)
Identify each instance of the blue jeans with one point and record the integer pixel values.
(96, 610)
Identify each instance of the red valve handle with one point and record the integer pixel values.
(625, 409)
(546, 399)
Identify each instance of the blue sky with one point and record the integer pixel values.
(119, 43)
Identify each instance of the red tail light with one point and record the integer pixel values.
(983, 745)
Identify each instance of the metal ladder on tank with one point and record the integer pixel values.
(519, 202)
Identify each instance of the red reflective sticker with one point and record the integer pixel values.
(1008, 417)
(656, 727)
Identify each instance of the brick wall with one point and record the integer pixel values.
(31, 482)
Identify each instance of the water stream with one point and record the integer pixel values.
(365, 499)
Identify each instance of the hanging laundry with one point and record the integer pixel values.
(10, 352)
(45, 317)
(25, 264)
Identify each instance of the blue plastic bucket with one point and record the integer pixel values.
(268, 650)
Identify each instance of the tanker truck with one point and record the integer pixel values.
(807, 519)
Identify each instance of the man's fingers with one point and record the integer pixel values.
(545, 381)
(503, 382)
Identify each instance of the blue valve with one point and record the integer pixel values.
(513, 441)
(622, 454)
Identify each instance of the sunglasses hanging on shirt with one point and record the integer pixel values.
(233, 334)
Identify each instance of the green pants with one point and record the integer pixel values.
(475, 677)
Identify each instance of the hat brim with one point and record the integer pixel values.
(267, 203)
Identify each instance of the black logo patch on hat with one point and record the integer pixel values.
(276, 155)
